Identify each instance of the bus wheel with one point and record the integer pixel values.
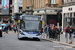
(38, 39)
(19, 39)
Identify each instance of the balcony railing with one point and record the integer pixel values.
(51, 5)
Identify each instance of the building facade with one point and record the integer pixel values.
(16, 6)
(68, 13)
(5, 12)
(16, 9)
(46, 8)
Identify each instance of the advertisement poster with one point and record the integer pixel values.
(5, 7)
(4, 4)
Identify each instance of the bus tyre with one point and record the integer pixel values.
(0, 33)
(19, 38)
(38, 39)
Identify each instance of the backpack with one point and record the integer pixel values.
(14, 28)
(67, 29)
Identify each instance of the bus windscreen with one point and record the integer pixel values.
(32, 25)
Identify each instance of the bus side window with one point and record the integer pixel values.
(22, 25)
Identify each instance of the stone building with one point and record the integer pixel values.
(68, 13)
(46, 8)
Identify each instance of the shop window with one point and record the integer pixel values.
(67, 0)
(64, 14)
(70, 14)
(52, 1)
(74, 14)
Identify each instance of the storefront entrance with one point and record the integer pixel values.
(53, 19)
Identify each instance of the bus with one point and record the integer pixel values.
(30, 26)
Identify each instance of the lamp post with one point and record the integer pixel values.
(45, 13)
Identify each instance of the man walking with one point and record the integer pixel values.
(47, 28)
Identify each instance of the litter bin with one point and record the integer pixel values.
(0, 33)
(73, 38)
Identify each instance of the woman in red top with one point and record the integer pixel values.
(54, 28)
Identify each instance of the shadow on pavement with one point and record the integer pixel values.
(27, 39)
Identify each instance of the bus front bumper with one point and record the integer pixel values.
(28, 36)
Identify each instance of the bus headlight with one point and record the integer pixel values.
(38, 34)
(22, 33)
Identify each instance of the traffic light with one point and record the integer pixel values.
(59, 15)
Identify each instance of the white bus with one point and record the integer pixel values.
(30, 27)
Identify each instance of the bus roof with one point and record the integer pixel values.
(30, 16)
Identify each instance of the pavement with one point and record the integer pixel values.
(11, 42)
(62, 40)
(10, 32)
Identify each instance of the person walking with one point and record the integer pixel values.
(55, 32)
(9, 27)
(6, 29)
(15, 28)
(70, 32)
(47, 28)
(66, 31)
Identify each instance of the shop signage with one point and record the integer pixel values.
(70, 9)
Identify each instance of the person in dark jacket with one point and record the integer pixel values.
(6, 29)
(66, 31)
(70, 32)
(9, 27)
(47, 28)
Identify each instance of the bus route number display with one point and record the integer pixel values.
(30, 18)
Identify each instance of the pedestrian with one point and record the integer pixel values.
(12, 26)
(55, 32)
(9, 27)
(6, 29)
(47, 28)
(15, 28)
(66, 31)
(54, 28)
(59, 29)
(70, 32)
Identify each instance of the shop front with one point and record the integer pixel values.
(68, 16)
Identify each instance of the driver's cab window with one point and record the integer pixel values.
(22, 24)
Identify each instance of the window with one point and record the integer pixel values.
(27, 7)
(32, 25)
(20, 9)
(67, 0)
(55, 10)
(52, 1)
(74, 14)
(10, 1)
(70, 14)
(64, 14)
(22, 25)
(0, 10)
(0, 1)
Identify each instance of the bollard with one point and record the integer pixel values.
(67, 38)
(73, 38)
(0, 33)
(50, 33)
